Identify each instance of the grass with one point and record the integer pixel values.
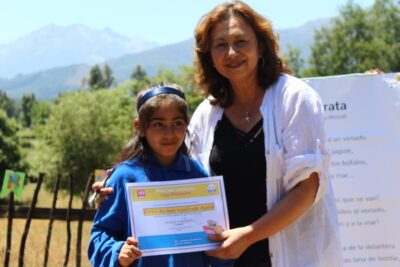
(36, 240)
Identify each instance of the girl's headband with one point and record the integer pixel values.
(158, 91)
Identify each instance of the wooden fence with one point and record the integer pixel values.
(50, 214)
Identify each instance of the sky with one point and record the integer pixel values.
(160, 21)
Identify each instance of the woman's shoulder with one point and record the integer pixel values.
(206, 107)
(291, 89)
(290, 83)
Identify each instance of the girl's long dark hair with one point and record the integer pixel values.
(137, 146)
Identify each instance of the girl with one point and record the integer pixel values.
(156, 153)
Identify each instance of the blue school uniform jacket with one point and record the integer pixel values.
(111, 225)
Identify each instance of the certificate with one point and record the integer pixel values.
(176, 216)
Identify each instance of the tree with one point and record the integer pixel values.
(41, 112)
(100, 79)
(27, 103)
(138, 74)
(9, 144)
(108, 79)
(86, 130)
(387, 14)
(95, 81)
(8, 105)
(294, 60)
(360, 39)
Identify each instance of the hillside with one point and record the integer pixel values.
(57, 46)
(49, 83)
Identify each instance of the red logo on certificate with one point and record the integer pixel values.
(141, 193)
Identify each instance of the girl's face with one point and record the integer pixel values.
(165, 133)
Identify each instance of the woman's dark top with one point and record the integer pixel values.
(240, 158)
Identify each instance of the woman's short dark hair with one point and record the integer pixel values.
(270, 65)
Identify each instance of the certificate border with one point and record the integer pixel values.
(183, 182)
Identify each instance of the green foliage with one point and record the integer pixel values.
(194, 93)
(138, 74)
(136, 86)
(8, 105)
(9, 152)
(86, 131)
(28, 101)
(164, 74)
(100, 79)
(360, 39)
(108, 78)
(95, 78)
(185, 78)
(294, 60)
(41, 112)
(387, 30)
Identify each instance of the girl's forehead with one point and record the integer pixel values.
(167, 110)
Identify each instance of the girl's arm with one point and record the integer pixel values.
(285, 212)
(109, 230)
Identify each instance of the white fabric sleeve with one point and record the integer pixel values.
(195, 129)
(304, 139)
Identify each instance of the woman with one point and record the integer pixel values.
(262, 129)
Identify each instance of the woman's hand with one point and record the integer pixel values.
(285, 212)
(102, 193)
(376, 70)
(129, 252)
(235, 242)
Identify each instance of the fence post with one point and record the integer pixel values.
(9, 229)
(68, 219)
(80, 224)
(28, 221)
(50, 230)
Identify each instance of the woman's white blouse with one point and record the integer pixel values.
(294, 148)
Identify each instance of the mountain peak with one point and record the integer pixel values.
(54, 46)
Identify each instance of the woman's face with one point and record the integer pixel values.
(234, 49)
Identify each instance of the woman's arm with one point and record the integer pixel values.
(284, 213)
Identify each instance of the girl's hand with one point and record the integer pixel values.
(235, 242)
(103, 193)
(129, 252)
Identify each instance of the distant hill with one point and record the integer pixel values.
(46, 84)
(169, 56)
(56, 46)
(49, 83)
(301, 37)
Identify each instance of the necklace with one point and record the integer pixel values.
(247, 118)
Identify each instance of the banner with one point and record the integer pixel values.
(13, 181)
(362, 120)
(100, 175)
(175, 216)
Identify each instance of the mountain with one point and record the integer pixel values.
(56, 46)
(301, 37)
(46, 84)
(49, 83)
(169, 57)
